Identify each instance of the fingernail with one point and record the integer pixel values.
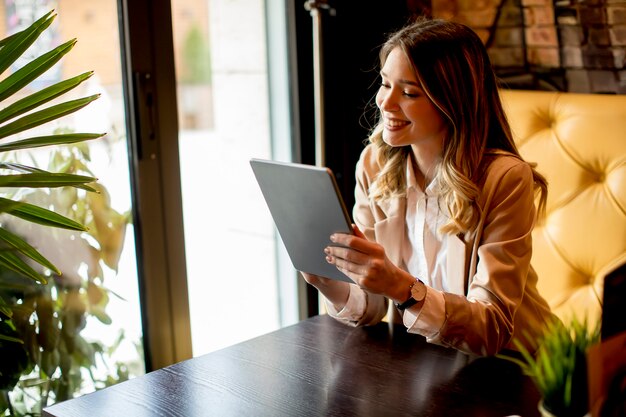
(329, 259)
(333, 238)
(327, 251)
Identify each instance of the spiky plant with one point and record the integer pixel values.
(25, 301)
(558, 367)
(20, 116)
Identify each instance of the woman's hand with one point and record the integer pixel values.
(366, 263)
(336, 292)
(316, 280)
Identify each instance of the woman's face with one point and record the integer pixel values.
(409, 117)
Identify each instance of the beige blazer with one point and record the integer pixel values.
(492, 294)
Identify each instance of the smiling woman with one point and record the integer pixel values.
(410, 117)
(445, 205)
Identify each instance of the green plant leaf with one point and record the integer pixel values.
(12, 262)
(38, 215)
(101, 315)
(87, 188)
(561, 349)
(44, 116)
(25, 168)
(39, 180)
(28, 112)
(11, 339)
(525, 355)
(5, 308)
(19, 167)
(15, 45)
(522, 364)
(7, 205)
(567, 389)
(29, 72)
(550, 374)
(41, 97)
(40, 141)
(27, 250)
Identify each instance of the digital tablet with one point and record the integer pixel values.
(307, 208)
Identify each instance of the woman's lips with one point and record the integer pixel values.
(395, 124)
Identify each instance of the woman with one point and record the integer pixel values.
(445, 205)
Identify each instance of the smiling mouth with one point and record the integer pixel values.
(395, 123)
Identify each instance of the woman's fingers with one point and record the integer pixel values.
(345, 265)
(365, 266)
(348, 254)
(314, 280)
(357, 243)
(363, 261)
(319, 282)
(337, 292)
(352, 252)
(357, 231)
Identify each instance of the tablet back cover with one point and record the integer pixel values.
(307, 208)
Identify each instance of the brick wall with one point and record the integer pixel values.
(575, 45)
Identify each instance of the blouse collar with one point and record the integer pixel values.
(411, 180)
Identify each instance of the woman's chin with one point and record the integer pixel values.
(393, 140)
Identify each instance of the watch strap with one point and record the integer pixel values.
(411, 301)
(408, 303)
(416, 295)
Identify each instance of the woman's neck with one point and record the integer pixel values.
(425, 160)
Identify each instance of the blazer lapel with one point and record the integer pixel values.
(390, 233)
(390, 230)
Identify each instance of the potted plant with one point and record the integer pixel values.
(559, 366)
(41, 310)
(50, 318)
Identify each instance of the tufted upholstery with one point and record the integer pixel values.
(579, 144)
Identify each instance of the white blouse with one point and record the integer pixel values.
(424, 254)
(424, 248)
(424, 257)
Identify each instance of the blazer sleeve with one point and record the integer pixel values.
(482, 321)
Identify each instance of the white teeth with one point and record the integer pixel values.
(395, 123)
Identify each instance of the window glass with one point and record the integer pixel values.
(224, 117)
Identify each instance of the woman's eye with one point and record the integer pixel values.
(409, 94)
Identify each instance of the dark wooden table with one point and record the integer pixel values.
(319, 367)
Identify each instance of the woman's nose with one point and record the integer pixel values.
(387, 101)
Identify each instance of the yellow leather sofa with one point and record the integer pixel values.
(579, 144)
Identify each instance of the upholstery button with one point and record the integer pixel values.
(569, 254)
(600, 177)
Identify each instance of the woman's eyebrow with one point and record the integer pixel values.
(409, 82)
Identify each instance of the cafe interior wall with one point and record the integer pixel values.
(575, 46)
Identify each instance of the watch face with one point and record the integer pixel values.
(418, 292)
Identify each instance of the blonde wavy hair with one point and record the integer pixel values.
(454, 71)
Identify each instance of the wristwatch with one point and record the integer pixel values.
(418, 293)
